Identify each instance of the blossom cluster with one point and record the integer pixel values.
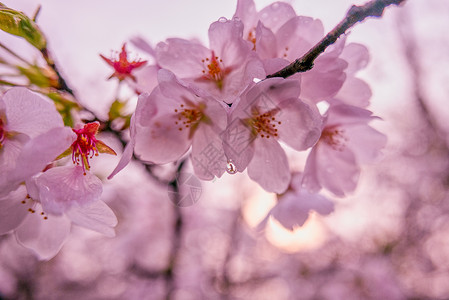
(217, 102)
(40, 194)
(212, 103)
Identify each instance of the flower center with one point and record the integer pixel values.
(264, 125)
(334, 137)
(85, 145)
(252, 37)
(214, 70)
(188, 118)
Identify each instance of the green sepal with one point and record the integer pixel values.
(65, 153)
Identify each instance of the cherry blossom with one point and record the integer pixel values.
(269, 112)
(87, 146)
(346, 142)
(42, 213)
(28, 120)
(59, 195)
(294, 206)
(224, 70)
(123, 68)
(174, 117)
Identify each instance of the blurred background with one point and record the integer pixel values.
(387, 240)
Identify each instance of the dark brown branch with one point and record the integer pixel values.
(355, 14)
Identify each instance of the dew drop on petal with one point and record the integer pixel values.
(230, 167)
(222, 20)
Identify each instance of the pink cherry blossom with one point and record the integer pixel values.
(28, 120)
(224, 69)
(42, 213)
(271, 17)
(267, 113)
(87, 146)
(294, 206)
(123, 68)
(174, 117)
(346, 142)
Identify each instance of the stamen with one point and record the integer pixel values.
(264, 124)
(334, 137)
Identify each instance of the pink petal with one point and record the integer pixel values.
(42, 150)
(225, 39)
(324, 80)
(266, 46)
(365, 142)
(275, 15)
(297, 36)
(12, 210)
(129, 150)
(238, 144)
(275, 64)
(293, 208)
(337, 171)
(355, 92)
(269, 166)
(342, 114)
(357, 56)
(146, 79)
(96, 216)
(8, 158)
(208, 157)
(246, 12)
(301, 125)
(44, 237)
(146, 108)
(143, 45)
(62, 187)
(162, 142)
(30, 113)
(182, 57)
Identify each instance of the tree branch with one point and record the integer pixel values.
(355, 14)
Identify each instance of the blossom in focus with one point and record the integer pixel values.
(87, 146)
(224, 69)
(123, 68)
(268, 112)
(174, 117)
(294, 206)
(28, 120)
(346, 142)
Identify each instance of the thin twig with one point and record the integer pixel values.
(355, 14)
(14, 54)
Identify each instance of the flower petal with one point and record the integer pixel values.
(301, 125)
(293, 208)
(97, 216)
(62, 187)
(42, 150)
(276, 14)
(208, 157)
(30, 113)
(44, 237)
(269, 166)
(12, 210)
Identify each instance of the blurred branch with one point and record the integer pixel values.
(355, 14)
(410, 49)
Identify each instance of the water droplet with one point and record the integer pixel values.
(237, 19)
(275, 5)
(222, 20)
(230, 167)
